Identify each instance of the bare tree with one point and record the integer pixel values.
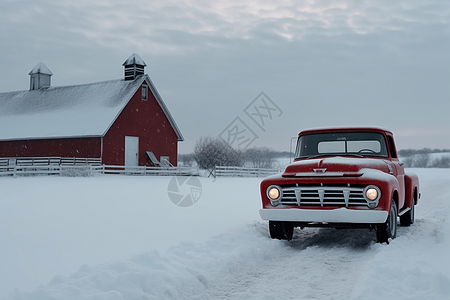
(442, 162)
(422, 160)
(408, 161)
(261, 157)
(210, 152)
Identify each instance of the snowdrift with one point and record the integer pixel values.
(118, 237)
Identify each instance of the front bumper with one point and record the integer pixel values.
(339, 215)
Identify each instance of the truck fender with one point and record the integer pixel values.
(411, 189)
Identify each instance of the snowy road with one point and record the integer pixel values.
(110, 240)
(318, 264)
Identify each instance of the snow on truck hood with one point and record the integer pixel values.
(334, 166)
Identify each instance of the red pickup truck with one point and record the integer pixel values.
(341, 178)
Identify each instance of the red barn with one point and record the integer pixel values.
(119, 121)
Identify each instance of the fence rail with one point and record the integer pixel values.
(151, 171)
(46, 161)
(29, 170)
(221, 171)
(89, 170)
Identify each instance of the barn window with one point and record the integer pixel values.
(144, 92)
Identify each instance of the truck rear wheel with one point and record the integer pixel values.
(281, 230)
(389, 228)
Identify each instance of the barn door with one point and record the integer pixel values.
(131, 151)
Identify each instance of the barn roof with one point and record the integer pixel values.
(85, 110)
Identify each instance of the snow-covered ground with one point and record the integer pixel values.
(120, 237)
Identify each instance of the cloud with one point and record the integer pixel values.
(163, 26)
(325, 62)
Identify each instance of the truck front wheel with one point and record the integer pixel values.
(281, 230)
(389, 228)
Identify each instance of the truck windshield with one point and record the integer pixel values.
(341, 143)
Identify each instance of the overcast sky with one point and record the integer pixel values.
(319, 63)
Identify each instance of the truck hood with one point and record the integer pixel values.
(334, 166)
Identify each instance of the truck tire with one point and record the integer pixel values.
(389, 228)
(281, 230)
(408, 218)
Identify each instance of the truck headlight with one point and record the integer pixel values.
(372, 194)
(274, 193)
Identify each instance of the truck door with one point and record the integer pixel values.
(400, 171)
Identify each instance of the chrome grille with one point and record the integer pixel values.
(324, 196)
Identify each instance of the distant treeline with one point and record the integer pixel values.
(422, 158)
(409, 152)
(209, 152)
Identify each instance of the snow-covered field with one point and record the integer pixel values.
(120, 237)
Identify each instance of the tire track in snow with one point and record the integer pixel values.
(316, 264)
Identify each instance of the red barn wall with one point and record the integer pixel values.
(68, 147)
(146, 120)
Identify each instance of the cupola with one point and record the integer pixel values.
(134, 67)
(40, 77)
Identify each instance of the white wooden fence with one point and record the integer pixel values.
(152, 171)
(29, 170)
(220, 171)
(89, 170)
(46, 161)
(30, 166)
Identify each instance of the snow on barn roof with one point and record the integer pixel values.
(40, 68)
(134, 59)
(70, 111)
